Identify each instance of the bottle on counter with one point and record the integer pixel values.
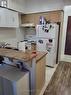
(42, 21)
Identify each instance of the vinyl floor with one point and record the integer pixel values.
(60, 83)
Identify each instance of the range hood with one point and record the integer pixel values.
(28, 25)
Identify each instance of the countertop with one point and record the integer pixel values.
(20, 55)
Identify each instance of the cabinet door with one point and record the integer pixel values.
(2, 17)
(12, 18)
(15, 19)
(8, 18)
(40, 75)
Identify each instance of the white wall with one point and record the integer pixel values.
(32, 6)
(18, 5)
(11, 35)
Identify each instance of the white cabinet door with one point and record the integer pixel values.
(12, 18)
(8, 18)
(2, 17)
(15, 19)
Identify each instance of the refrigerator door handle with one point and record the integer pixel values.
(40, 41)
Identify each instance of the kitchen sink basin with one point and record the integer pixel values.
(11, 48)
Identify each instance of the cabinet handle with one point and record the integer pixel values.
(13, 19)
(0, 18)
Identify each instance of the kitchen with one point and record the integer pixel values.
(18, 23)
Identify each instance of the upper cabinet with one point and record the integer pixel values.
(8, 18)
(18, 5)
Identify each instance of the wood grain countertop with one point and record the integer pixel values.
(23, 56)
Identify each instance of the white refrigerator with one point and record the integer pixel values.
(47, 40)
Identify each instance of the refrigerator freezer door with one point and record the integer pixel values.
(52, 32)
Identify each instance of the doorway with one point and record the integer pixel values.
(68, 38)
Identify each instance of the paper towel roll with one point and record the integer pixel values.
(21, 46)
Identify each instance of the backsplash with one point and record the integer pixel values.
(11, 36)
(30, 31)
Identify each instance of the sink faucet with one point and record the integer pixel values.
(3, 44)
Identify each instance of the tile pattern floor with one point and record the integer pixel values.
(49, 73)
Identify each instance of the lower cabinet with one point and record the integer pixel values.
(40, 74)
(13, 81)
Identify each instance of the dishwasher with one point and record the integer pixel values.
(13, 81)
